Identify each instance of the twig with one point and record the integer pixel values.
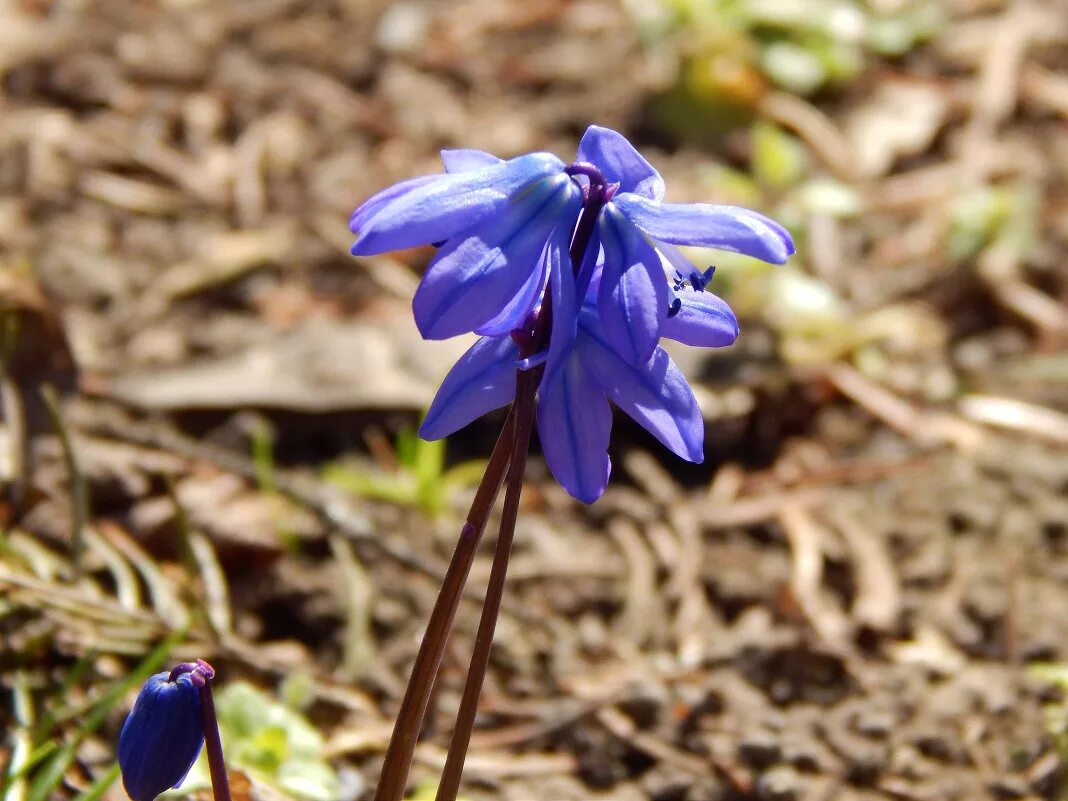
(805, 536)
(308, 493)
(926, 428)
(1014, 415)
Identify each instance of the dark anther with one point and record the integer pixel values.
(700, 280)
(675, 307)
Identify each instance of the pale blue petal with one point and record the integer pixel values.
(703, 320)
(633, 296)
(437, 210)
(474, 278)
(467, 159)
(574, 424)
(620, 162)
(724, 227)
(562, 294)
(656, 394)
(370, 207)
(483, 379)
(676, 258)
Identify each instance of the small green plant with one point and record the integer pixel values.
(728, 53)
(1055, 713)
(420, 479)
(271, 741)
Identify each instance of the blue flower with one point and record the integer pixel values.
(162, 737)
(567, 267)
(635, 224)
(493, 219)
(574, 415)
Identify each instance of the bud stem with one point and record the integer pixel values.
(220, 782)
(202, 675)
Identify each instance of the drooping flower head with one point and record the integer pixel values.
(164, 732)
(565, 268)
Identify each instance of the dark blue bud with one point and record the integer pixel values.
(162, 736)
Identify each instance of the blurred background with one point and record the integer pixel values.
(207, 445)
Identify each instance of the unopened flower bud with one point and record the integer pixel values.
(162, 737)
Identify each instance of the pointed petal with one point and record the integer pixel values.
(656, 394)
(438, 209)
(370, 207)
(620, 162)
(703, 319)
(483, 379)
(633, 296)
(588, 281)
(574, 424)
(564, 306)
(474, 278)
(467, 159)
(723, 227)
(515, 312)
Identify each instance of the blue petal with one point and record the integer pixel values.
(518, 307)
(574, 424)
(467, 159)
(703, 320)
(620, 162)
(438, 209)
(656, 394)
(723, 227)
(633, 296)
(162, 736)
(474, 278)
(676, 258)
(588, 281)
(483, 379)
(564, 306)
(370, 207)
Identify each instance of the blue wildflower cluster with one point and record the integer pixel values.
(565, 268)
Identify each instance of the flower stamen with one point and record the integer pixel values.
(696, 280)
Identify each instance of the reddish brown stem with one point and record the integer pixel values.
(401, 747)
(220, 783)
(527, 386)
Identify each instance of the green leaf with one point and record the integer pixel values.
(97, 789)
(794, 67)
(779, 160)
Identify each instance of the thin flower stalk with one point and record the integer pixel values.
(449, 785)
(413, 707)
